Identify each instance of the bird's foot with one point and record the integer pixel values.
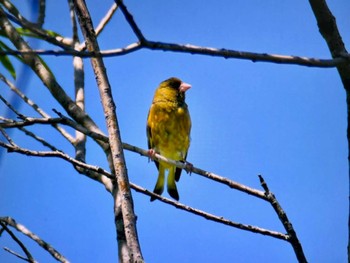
(151, 154)
(188, 167)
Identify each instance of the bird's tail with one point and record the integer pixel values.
(172, 189)
(159, 188)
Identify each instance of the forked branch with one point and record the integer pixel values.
(8, 221)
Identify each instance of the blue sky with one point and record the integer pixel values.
(285, 122)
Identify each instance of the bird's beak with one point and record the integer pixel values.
(184, 87)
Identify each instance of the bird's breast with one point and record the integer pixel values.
(170, 131)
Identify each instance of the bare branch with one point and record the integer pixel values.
(78, 164)
(19, 242)
(48, 78)
(211, 217)
(41, 14)
(95, 173)
(30, 121)
(137, 188)
(10, 107)
(17, 255)
(73, 21)
(206, 215)
(35, 107)
(329, 30)
(192, 49)
(83, 54)
(54, 253)
(22, 96)
(39, 139)
(60, 41)
(78, 127)
(59, 154)
(113, 144)
(225, 53)
(8, 138)
(131, 21)
(143, 152)
(209, 175)
(104, 21)
(123, 203)
(254, 57)
(293, 238)
(79, 86)
(337, 60)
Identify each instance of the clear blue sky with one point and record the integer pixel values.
(285, 122)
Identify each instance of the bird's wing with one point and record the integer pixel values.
(149, 138)
(187, 131)
(179, 170)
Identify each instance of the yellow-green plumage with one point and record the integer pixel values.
(168, 131)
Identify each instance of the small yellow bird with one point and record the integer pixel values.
(168, 131)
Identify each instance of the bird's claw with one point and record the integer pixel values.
(188, 167)
(151, 154)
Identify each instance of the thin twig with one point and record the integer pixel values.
(245, 55)
(292, 235)
(35, 107)
(41, 14)
(93, 172)
(143, 152)
(104, 21)
(17, 255)
(268, 195)
(83, 54)
(65, 43)
(39, 139)
(21, 228)
(8, 123)
(209, 175)
(66, 121)
(225, 53)
(137, 188)
(192, 49)
(19, 242)
(60, 41)
(11, 107)
(58, 154)
(48, 78)
(129, 18)
(73, 22)
(30, 121)
(211, 217)
(8, 138)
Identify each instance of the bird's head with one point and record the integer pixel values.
(174, 89)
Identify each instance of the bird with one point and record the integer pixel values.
(168, 132)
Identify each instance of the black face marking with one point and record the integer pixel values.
(173, 83)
